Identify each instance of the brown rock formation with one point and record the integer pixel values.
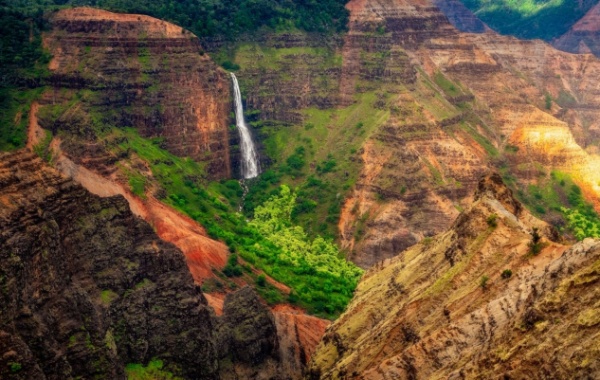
(88, 287)
(583, 37)
(455, 101)
(147, 74)
(446, 308)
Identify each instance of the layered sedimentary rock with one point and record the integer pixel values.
(144, 73)
(455, 101)
(473, 302)
(583, 36)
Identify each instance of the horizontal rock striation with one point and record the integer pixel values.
(148, 74)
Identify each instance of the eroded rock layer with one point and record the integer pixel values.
(583, 36)
(455, 102)
(144, 73)
(473, 302)
(88, 287)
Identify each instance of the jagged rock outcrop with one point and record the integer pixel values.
(140, 72)
(473, 302)
(248, 337)
(87, 287)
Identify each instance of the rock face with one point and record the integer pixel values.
(455, 100)
(88, 287)
(460, 16)
(583, 36)
(248, 337)
(473, 303)
(148, 74)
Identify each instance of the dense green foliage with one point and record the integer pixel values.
(321, 280)
(545, 19)
(153, 371)
(314, 268)
(226, 18)
(22, 70)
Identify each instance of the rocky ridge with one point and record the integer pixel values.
(473, 302)
(463, 100)
(88, 287)
(583, 36)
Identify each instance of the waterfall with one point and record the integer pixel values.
(249, 157)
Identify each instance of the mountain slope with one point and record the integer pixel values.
(473, 302)
(583, 36)
(530, 19)
(89, 288)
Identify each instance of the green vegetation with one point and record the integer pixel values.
(544, 19)
(153, 371)
(227, 18)
(314, 268)
(321, 280)
(558, 199)
(233, 268)
(15, 367)
(492, 220)
(506, 274)
(318, 158)
(23, 68)
(108, 296)
(483, 282)
(535, 245)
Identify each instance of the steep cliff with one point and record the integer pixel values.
(140, 72)
(90, 111)
(88, 287)
(476, 301)
(470, 97)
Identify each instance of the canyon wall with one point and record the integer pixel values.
(147, 74)
(88, 288)
(473, 302)
(469, 97)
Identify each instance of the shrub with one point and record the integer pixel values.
(483, 282)
(261, 280)
(506, 274)
(492, 220)
(232, 269)
(535, 245)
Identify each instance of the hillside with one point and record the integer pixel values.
(546, 19)
(583, 36)
(485, 299)
(374, 124)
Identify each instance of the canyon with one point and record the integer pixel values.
(394, 122)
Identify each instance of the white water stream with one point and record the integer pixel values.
(249, 156)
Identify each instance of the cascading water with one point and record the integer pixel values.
(249, 159)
